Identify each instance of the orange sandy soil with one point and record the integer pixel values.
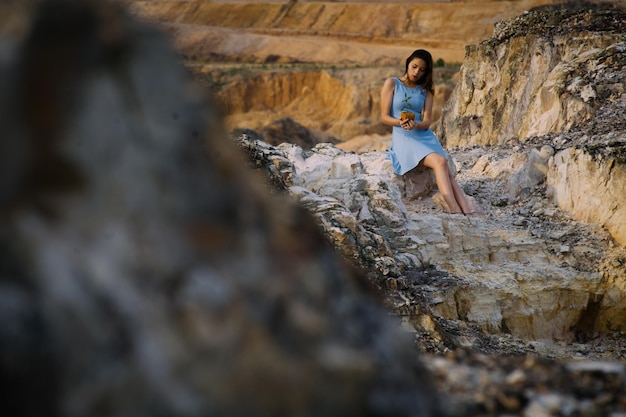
(330, 32)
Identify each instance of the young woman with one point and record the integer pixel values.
(412, 140)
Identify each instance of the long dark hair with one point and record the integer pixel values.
(427, 80)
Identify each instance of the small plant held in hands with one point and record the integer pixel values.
(406, 113)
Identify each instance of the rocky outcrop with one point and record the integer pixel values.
(545, 71)
(526, 267)
(144, 271)
(508, 282)
(553, 76)
(591, 188)
(506, 276)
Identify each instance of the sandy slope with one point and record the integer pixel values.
(330, 32)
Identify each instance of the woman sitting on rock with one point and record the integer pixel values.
(412, 141)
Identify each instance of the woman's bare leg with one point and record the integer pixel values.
(459, 195)
(439, 165)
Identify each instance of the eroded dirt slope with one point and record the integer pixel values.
(329, 32)
(321, 64)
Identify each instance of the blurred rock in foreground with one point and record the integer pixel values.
(145, 271)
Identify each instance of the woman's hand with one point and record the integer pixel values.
(408, 124)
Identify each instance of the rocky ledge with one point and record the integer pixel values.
(521, 307)
(525, 268)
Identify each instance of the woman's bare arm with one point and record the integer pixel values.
(386, 97)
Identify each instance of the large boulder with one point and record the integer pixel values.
(146, 271)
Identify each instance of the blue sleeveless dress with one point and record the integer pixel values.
(409, 147)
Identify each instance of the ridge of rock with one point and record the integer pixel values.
(504, 277)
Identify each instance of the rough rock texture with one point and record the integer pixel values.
(520, 311)
(545, 71)
(557, 74)
(527, 386)
(505, 276)
(144, 271)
